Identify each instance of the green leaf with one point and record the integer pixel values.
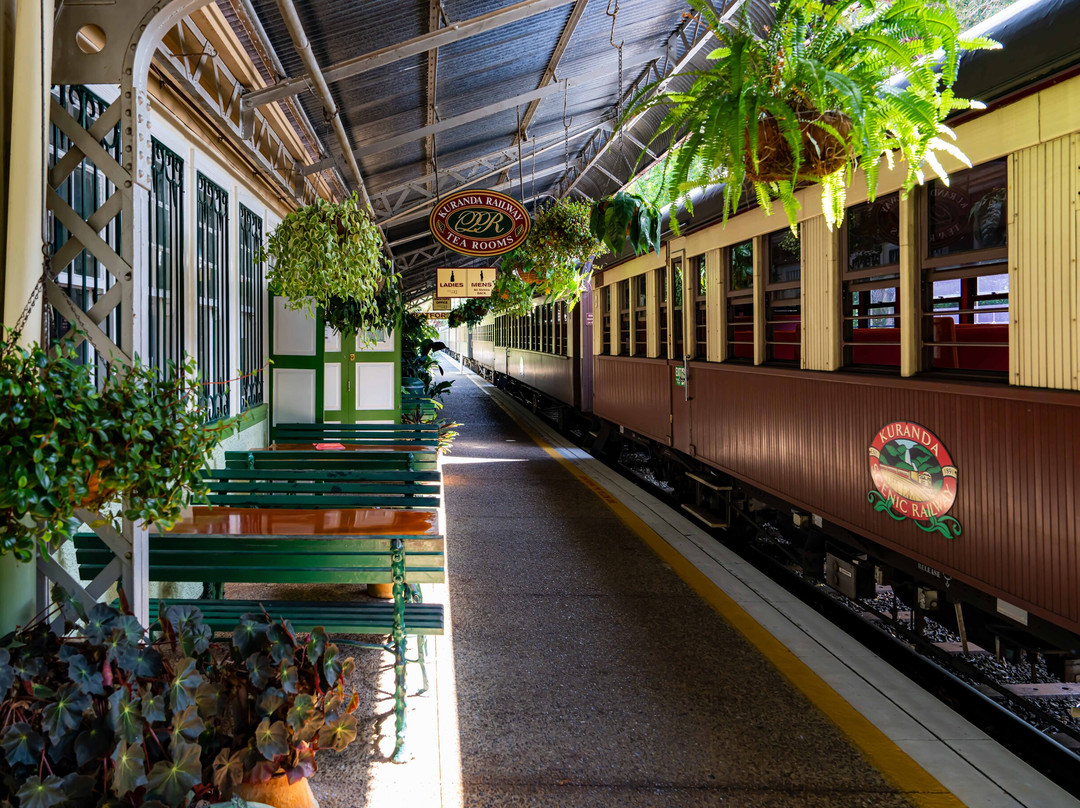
(208, 699)
(125, 717)
(184, 684)
(38, 793)
(258, 666)
(338, 731)
(64, 713)
(187, 725)
(21, 744)
(92, 744)
(270, 700)
(228, 769)
(7, 673)
(272, 739)
(80, 672)
(128, 768)
(170, 781)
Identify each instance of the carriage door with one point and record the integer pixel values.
(679, 368)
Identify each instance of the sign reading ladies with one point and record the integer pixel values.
(479, 223)
(464, 281)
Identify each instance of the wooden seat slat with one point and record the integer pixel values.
(219, 485)
(335, 618)
(225, 521)
(316, 475)
(320, 501)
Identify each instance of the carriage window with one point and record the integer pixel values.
(640, 328)
(783, 309)
(871, 303)
(965, 280)
(698, 284)
(624, 318)
(663, 313)
(739, 260)
(677, 345)
(605, 314)
(165, 286)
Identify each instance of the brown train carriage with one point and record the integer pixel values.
(787, 393)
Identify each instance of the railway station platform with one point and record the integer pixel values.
(603, 651)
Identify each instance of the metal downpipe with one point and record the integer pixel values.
(311, 66)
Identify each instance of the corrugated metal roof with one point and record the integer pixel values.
(473, 73)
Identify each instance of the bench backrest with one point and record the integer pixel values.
(276, 559)
(421, 436)
(325, 459)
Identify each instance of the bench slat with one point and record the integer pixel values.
(321, 501)
(304, 487)
(358, 475)
(333, 617)
(361, 427)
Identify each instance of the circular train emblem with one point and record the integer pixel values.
(914, 477)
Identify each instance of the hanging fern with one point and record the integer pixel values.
(827, 88)
(327, 251)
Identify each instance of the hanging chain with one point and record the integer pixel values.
(532, 179)
(521, 178)
(613, 12)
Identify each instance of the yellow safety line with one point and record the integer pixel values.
(914, 782)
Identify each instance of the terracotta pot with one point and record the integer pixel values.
(529, 277)
(384, 591)
(96, 497)
(279, 793)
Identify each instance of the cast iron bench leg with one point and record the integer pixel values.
(400, 641)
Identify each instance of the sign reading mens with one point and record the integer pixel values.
(465, 281)
(479, 223)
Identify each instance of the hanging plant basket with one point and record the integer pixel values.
(825, 145)
(97, 493)
(529, 277)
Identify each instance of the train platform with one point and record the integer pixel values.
(603, 651)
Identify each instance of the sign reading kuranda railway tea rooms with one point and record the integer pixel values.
(914, 478)
(479, 223)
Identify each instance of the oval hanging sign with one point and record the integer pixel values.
(914, 477)
(479, 222)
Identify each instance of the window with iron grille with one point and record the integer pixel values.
(965, 278)
(663, 311)
(624, 318)
(698, 283)
(871, 302)
(212, 289)
(783, 301)
(739, 265)
(251, 309)
(86, 188)
(677, 343)
(165, 269)
(640, 320)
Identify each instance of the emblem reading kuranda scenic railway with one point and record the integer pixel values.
(914, 478)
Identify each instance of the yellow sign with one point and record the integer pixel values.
(440, 304)
(464, 281)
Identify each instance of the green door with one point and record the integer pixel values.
(362, 378)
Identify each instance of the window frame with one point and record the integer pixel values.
(861, 280)
(250, 294)
(738, 297)
(772, 287)
(211, 276)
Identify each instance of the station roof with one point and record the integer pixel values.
(549, 80)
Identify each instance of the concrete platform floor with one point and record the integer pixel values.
(579, 669)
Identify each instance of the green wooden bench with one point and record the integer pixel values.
(323, 488)
(404, 561)
(330, 459)
(419, 406)
(418, 436)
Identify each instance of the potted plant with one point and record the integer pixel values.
(100, 714)
(626, 216)
(418, 349)
(350, 315)
(555, 258)
(324, 251)
(510, 294)
(65, 444)
(470, 313)
(824, 89)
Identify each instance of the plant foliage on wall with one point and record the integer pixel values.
(348, 315)
(823, 90)
(324, 251)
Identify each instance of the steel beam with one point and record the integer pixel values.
(385, 144)
(403, 50)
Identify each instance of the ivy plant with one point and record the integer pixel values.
(510, 294)
(64, 444)
(327, 250)
(350, 315)
(101, 714)
(826, 88)
(626, 217)
(556, 255)
(470, 313)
